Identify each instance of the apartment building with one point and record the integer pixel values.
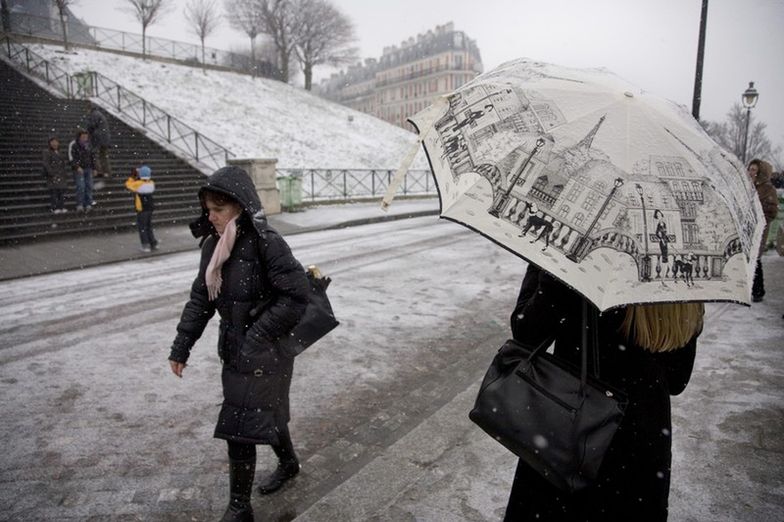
(407, 77)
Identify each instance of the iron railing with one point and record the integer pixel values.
(343, 184)
(131, 107)
(112, 39)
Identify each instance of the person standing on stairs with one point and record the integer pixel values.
(81, 156)
(100, 138)
(142, 186)
(55, 169)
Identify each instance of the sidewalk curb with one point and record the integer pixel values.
(179, 249)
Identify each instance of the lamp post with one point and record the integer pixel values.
(646, 259)
(496, 209)
(749, 99)
(580, 247)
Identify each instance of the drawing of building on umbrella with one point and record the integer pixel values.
(575, 200)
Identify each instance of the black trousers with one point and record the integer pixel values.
(144, 223)
(57, 197)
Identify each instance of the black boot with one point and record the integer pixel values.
(288, 466)
(241, 485)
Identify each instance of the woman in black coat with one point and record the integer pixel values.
(647, 351)
(249, 276)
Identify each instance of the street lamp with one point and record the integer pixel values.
(749, 98)
(583, 243)
(498, 206)
(646, 259)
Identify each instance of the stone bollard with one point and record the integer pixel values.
(263, 174)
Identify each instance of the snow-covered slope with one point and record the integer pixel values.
(254, 117)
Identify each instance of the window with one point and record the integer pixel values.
(578, 219)
(574, 192)
(660, 168)
(679, 169)
(590, 201)
(564, 210)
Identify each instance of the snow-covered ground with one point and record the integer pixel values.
(253, 117)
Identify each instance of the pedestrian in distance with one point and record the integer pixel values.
(141, 184)
(100, 138)
(249, 276)
(81, 156)
(648, 352)
(55, 169)
(760, 173)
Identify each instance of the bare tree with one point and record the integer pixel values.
(62, 10)
(731, 133)
(203, 18)
(245, 16)
(146, 12)
(280, 22)
(324, 37)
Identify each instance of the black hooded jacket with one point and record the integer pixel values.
(263, 296)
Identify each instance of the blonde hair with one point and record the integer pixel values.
(662, 327)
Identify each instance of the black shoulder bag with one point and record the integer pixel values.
(555, 417)
(317, 321)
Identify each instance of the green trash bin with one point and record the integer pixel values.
(290, 192)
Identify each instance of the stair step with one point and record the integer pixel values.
(28, 116)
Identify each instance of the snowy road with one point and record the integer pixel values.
(96, 428)
(97, 425)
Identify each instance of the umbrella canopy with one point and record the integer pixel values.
(618, 193)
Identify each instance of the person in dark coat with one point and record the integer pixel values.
(81, 156)
(249, 276)
(648, 352)
(760, 173)
(100, 138)
(55, 168)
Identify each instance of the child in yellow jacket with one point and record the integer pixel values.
(142, 186)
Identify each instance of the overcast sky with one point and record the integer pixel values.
(652, 43)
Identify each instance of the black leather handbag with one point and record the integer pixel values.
(552, 415)
(317, 321)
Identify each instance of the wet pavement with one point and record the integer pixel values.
(95, 428)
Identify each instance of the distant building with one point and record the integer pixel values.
(407, 78)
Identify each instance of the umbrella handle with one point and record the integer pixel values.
(400, 175)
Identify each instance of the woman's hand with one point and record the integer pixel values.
(177, 368)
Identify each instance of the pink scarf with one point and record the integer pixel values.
(219, 256)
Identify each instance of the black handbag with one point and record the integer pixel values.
(317, 321)
(554, 416)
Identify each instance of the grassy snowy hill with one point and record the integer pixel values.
(254, 117)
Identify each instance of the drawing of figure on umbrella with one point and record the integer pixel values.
(661, 233)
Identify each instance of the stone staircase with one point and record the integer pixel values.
(28, 116)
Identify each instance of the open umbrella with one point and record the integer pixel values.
(618, 193)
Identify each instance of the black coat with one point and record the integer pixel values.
(81, 157)
(263, 296)
(98, 128)
(634, 479)
(55, 167)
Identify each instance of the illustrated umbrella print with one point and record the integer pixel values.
(618, 193)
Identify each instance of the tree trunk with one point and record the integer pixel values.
(203, 64)
(307, 70)
(253, 56)
(284, 65)
(5, 13)
(65, 31)
(144, 41)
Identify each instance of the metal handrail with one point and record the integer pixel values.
(132, 107)
(343, 184)
(102, 37)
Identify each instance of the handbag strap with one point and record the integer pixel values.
(590, 342)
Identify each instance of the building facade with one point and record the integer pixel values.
(408, 77)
